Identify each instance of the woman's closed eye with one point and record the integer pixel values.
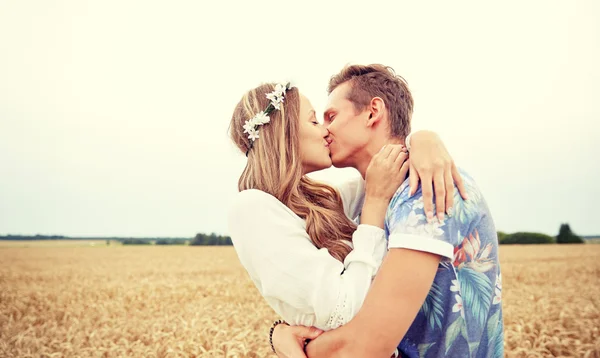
(313, 119)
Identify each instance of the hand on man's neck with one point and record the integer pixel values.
(374, 146)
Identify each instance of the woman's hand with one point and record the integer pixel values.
(289, 340)
(386, 171)
(338, 343)
(431, 163)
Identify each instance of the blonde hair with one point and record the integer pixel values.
(275, 167)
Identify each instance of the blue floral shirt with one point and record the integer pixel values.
(462, 314)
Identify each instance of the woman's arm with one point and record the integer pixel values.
(303, 284)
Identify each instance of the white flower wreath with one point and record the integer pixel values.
(276, 97)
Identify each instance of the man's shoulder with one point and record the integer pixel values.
(468, 180)
(404, 206)
(402, 195)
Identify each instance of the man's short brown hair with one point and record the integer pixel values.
(381, 81)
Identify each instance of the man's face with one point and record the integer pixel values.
(347, 127)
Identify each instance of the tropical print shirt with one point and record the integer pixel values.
(462, 314)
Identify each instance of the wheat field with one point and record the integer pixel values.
(83, 301)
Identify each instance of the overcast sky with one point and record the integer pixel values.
(114, 114)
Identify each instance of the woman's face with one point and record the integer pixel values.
(314, 147)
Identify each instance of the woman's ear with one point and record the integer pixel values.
(376, 109)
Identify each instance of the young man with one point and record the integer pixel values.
(438, 291)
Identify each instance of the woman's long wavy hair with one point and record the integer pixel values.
(275, 167)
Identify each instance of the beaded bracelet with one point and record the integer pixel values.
(271, 333)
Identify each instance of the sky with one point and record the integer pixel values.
(114, 114)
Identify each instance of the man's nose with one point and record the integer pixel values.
(327, 135)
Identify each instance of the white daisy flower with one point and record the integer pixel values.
(280, 89)
(248, 126)
(253, 135)
(271, 96)
(276, 98)
(261, 118)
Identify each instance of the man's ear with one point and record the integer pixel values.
(376, 110)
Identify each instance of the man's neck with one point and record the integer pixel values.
(363, 159)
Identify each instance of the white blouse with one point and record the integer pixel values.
(303, 284)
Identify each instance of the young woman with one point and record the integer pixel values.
(296, 237)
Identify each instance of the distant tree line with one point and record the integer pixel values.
(210, 240)
(161, 241)
(36, 237)
(135, 241)
(171, 242)
(199, 240)
(62, 237)
(565, 236)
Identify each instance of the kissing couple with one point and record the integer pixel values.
(401, 260)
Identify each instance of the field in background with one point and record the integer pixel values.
(55, 243)
(198, 301)
(593, 240)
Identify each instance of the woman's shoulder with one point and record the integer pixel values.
(251, 197)
(257, 216)
(254, 202)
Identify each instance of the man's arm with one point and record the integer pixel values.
(395, 298)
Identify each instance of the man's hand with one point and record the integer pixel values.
(289, 340)
(430, 163)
